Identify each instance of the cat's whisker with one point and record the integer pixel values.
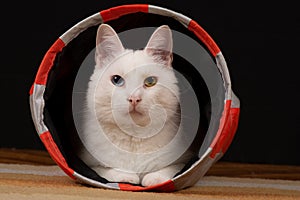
(172, 111)
(120, 108)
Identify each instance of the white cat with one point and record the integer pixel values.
(133, 111)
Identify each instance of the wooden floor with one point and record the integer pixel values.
(228, 169)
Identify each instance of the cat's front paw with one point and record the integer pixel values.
(154, 178)
(126, 178)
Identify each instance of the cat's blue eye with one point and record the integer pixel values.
(117, 80)
(150, 81)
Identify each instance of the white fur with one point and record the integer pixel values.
(121, 146)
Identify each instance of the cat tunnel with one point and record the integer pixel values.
(51, 94)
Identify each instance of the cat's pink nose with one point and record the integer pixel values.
(134, 100)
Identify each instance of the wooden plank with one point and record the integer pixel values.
(25, 156)
(221, 168)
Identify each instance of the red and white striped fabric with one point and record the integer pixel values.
(228, 122)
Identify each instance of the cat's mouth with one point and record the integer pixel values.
(135, 115)
(135, 112)
(139, 117)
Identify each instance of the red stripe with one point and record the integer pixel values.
(167, 186)
(217, 142)
(116, 12)
(55, 153)
(231, 127)
(227, 129)
(47, 62)
(204, 37)
(31, 89)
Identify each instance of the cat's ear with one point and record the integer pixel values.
(160, 45)
(108, 45)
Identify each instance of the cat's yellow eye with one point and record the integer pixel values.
(117, 80)
(150, 81)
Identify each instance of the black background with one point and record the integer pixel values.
(260, 44)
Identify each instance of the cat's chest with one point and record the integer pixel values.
(131, 141)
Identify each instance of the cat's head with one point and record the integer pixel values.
(134, 86)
